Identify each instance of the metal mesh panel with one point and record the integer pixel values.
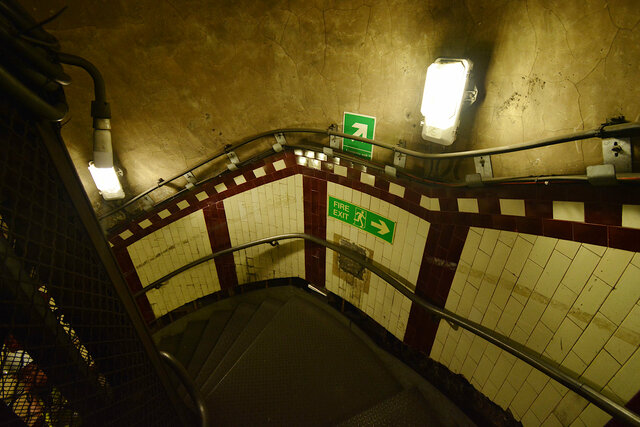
(69, 351)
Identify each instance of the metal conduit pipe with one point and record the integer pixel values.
(495, 338)
(189, 385)
(604, 131)
(29, 99)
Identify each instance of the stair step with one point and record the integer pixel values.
(239, 319)
(215, 325)
(309, 360)
(259, 320)
(189, 341)
(407, 408)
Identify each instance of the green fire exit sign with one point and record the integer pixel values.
(362, 218)
(359, 125)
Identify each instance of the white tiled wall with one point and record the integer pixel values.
(169, 248)
(382, 302)
(577, 304)
(267, 210)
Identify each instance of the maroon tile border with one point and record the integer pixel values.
(133, 281)
(218, 230)
(315, 223)
(439, 262)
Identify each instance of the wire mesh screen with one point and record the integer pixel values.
(69, 352)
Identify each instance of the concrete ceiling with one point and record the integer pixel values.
(185, 78)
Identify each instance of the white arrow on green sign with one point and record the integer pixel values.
(362, 218)
(359, 125)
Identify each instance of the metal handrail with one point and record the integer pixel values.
(189, 385)
(604, 131)
(502, 341)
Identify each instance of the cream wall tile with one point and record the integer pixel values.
(542, 250)
(569, 408)
(396, 189)
(164, 213)
(279, 165)
(512, 207)
(594, 337)
(568, 211)
(201, 196)
(594, 416)
(368, 179)
(626, 339)
(631, 216)
(545, 402)
(523, 400)
(505, 395)
(580, 270)
(623, 296)
(508, 237)
(552, 421)
(612, 265)
(240, 179)
(125, 234)
(598, 250)
(468, 205)
(568, 248)
(182, 204)
(563, 339)
(144, 224)
(518, 257)
(558, 307)
(259, 172)
(432, 204)
(588, 302)
(489, 240)
(602, 369)
(220, 188)
(340, 170)
(625, 383)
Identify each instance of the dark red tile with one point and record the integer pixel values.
(488, 206)
(603, 213)
(504, 222)
(557, 229)
(529, 225)
(624, 238)
(449, 205)
(538, 208)
(590, 233)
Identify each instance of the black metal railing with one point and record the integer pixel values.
(73, 347)
(501, 341)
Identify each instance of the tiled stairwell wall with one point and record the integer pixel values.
(554, 267)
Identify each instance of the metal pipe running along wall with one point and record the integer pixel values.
(493, 337)
(604, 131)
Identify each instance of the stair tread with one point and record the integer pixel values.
(189, 341)
(209, 338)
(309, 360)
(240, 317)
(407, 408)
(258, 322)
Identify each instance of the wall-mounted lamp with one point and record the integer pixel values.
(107, 181)
(445, 92)
(102, 170)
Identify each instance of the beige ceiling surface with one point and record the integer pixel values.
(184, 78)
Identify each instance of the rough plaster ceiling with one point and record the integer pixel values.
(185, 78)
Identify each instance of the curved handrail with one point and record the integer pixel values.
(493, 337)
(191, 388)
(606, 130)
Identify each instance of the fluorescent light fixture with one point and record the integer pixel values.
(444, 92)
(107, 181)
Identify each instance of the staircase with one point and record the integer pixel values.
(281, 356)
